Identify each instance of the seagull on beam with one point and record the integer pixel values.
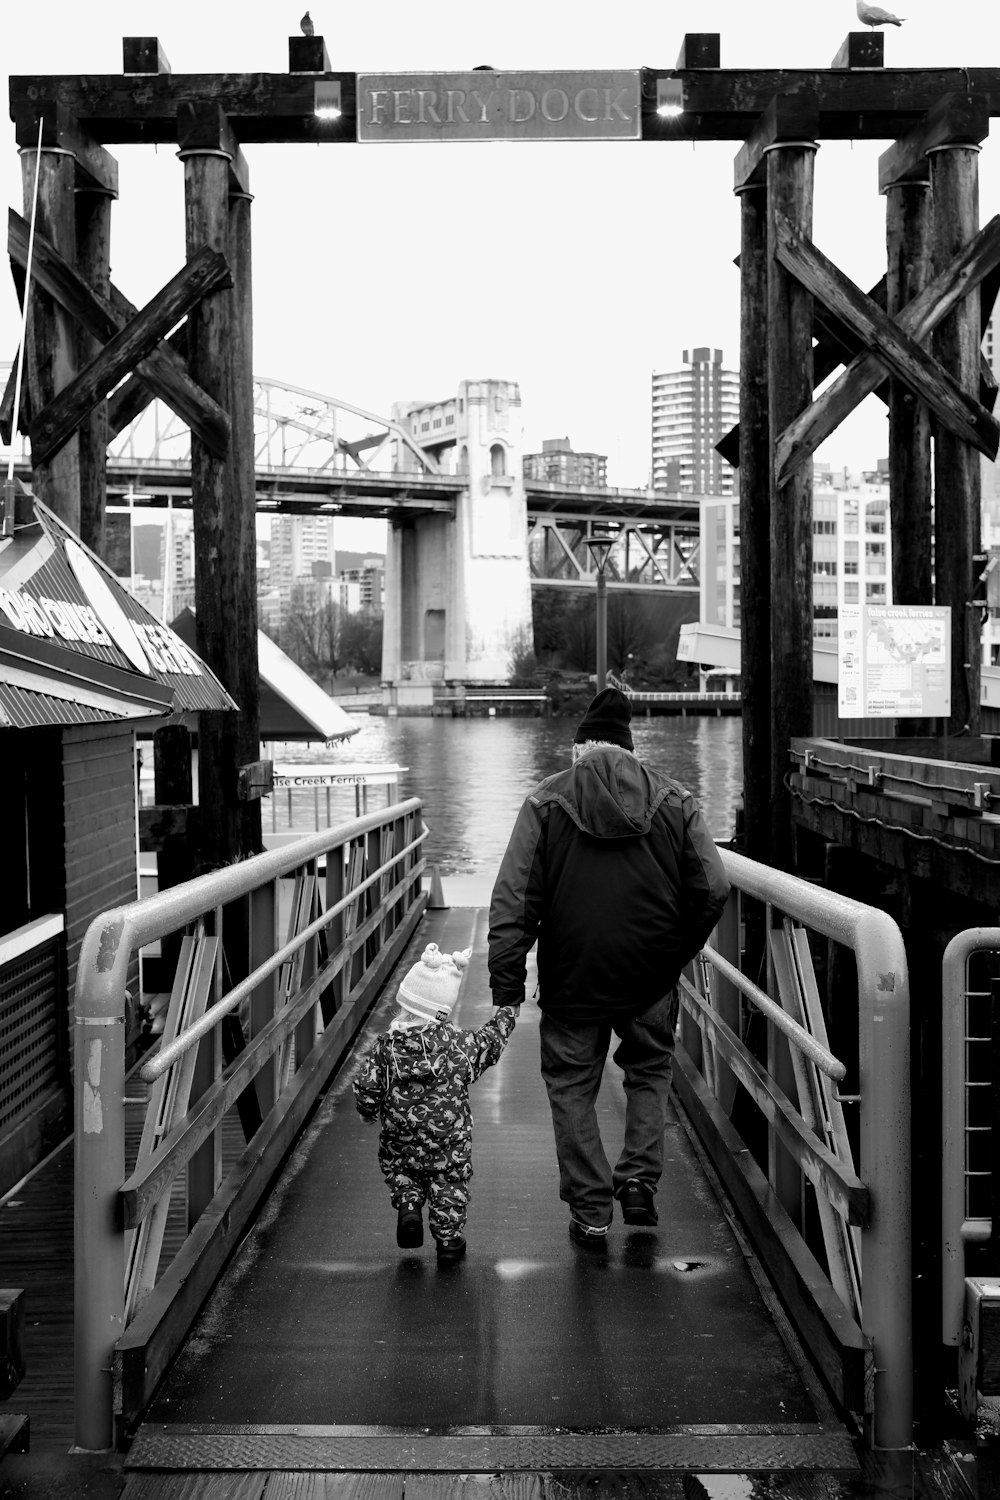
(874, 15)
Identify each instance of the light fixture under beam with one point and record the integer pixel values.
(326, 99)
(669, 97)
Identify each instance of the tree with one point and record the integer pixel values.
(548, 622)
(522, 663)
(361, 642)
(628, 630)
(311, 635)
(580, 633)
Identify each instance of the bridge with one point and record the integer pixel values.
(457, 601)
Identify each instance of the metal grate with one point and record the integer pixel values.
(332, 1449)
(29, 1040)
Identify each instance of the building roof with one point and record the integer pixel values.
(292, 706)
(75, 646)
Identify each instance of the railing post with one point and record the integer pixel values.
(955, 1228)
(264, 942)
(99, 1171)
(886, 1247)
(334, 892)
(727, 996)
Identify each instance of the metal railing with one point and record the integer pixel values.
(969, 983)
(847, 1282)
(255, 1024)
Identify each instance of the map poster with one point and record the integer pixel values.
(895, 661)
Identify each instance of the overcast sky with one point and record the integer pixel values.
(384, 274)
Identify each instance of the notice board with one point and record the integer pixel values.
(894, 661)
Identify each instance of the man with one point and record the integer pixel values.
(610, 866)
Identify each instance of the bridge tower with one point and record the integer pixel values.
(458, 587)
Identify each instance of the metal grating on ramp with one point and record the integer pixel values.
(342, 1449)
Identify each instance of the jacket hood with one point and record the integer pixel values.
(608, 793)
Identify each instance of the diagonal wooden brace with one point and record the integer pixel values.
(895, 341)
(162, 371)
(54, 426)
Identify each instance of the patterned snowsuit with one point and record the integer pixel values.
(416, 1081)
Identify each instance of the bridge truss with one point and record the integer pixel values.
(318, 454)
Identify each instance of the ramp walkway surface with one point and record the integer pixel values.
(325, 1346)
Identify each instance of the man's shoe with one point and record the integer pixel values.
(589, 1236)
(638, 1203)
(409, 1229)
(449, 1251)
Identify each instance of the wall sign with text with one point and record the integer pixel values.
(895, 661)
(488, 106)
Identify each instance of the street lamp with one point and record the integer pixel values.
(600, 542)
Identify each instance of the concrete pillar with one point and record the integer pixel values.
(458, 590)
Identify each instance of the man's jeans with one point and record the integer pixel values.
(573, 1056)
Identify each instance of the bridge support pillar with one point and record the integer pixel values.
(458, 589)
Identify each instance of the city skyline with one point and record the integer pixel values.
(576, 270)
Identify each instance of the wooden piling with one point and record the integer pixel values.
(790, 172)
(241, 520)
(909, 269)
(755, 525)
(51, 339)
(93, 234)
(954, 176)
(206, 213)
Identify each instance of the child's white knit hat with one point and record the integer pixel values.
(433, 983)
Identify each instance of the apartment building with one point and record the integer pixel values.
(692, 410)
(557, 463)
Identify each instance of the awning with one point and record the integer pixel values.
(292, 706)
(75, 647)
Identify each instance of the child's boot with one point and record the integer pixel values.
(409, 1228)
(451, 1250)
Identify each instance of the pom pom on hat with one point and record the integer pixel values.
(607, 719)
(432, 985)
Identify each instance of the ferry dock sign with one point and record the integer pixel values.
(487, 106)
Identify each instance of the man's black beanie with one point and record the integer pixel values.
(607, 718)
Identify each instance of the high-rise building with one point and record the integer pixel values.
(558, 463)
(300, 547)
(693, 409)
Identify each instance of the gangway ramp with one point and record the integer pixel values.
(326, 1349)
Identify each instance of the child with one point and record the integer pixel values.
(416, 1081)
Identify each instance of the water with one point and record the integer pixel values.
(473, 774)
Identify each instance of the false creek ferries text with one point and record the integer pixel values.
(358, 779)
(498, 106)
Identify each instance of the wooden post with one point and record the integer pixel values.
(52, 352)
(241, 519)
(790, 170)
(206, 203)
(908, 247)
(957, 474)
(755, 527)
(173, 785)
(93, 232)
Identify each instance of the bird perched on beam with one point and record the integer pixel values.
(874, 15)
(308, 29)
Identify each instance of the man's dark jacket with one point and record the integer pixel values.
(610, 866)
